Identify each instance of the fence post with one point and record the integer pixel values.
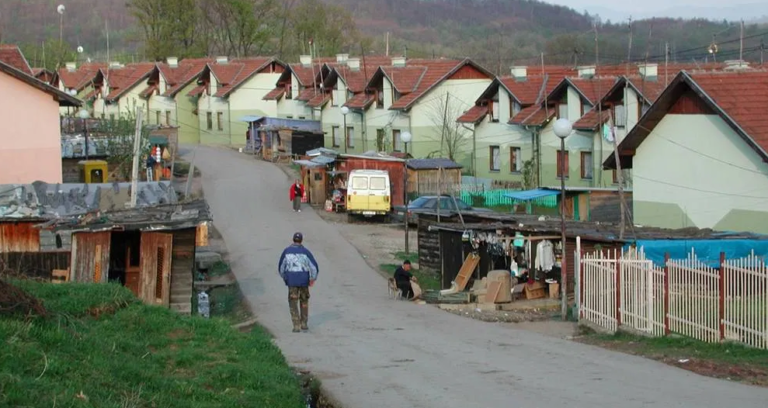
(666, 294)
(618, 289)
(722, 296)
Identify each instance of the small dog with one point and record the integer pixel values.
(392, 289)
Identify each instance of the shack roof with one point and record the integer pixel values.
(433, 164)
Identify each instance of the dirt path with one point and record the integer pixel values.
(370, 351)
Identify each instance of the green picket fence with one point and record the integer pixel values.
(498, 198)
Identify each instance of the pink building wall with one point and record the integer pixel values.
(30, 134)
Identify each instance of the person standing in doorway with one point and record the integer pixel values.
(299, 270)
(296, 193)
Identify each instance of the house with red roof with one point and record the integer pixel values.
(123, 89)
(230, 93)
(30, 138)
(699, 155)
(86, 82)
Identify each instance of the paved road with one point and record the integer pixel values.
(370, 351)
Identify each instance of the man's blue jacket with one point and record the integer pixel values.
(297, 266)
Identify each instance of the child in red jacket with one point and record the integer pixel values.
(296, 193)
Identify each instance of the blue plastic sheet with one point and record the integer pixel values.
(707, 251)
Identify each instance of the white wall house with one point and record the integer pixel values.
(698, 156)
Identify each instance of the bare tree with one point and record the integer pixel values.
(443, 113)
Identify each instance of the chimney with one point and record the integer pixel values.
(354, 64)
(115, 64)
(649, 71)
(172, 62)
(398, 61)
(587, 71)
(342, 58)
(736, 65)
(519, 72)
(305, 60)
(71, 66)
(222, 60)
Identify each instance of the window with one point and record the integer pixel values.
(378, 183)
(447, 203)
(302, 117)
(335, 136)
(515, 160)
(288, 91)
(289, 116)
(380, 135)
(586, 165)
(615, 177)
(209, 120)
(514, 109)
(359, 183)
(219, 120)
(350, 136)
(168, 118)
(396, 140)
(620, 116)
(335, 95)
(562, 163)
(562, 110)
(423, 202)
(495, 108)
(157, 117)
(379, 99)
(495, 159)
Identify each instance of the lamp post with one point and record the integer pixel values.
(563, 129)
(406, 138)
(344, 112)
(84, 115)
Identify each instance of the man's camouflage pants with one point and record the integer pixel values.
(298, 302)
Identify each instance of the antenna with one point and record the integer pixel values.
(741, 42)
(666, 63)
(361, 44)
(629, 47)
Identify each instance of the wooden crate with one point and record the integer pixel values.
(554, 290)
(535, 290)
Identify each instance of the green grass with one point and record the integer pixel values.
(103, 348)
(220, 268)
(684, 348)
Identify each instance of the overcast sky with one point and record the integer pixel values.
(713, 9)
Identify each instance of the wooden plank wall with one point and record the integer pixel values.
(429, 247)
(90, 256)
(154, 282)
(19, 237)
(34, 264)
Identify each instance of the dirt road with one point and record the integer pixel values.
(370, 351)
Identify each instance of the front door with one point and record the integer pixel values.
(90, 257)
(155, 280)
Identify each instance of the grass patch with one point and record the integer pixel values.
(134, 355)
(413, 257)
(220, 268)
(427, 280)
(720, 360)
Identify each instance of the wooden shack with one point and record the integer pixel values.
(376, 161)
(433, 176)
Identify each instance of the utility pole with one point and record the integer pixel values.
(387, 44)
(666, 64)
(762, 50)
(741, 42)
(136, 156)
(619, 177)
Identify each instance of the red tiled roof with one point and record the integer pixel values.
(90, 95)
(80, 77)
(357, 80)
(181, 75)
(196, 91)
(405, 79)
(307, 94)
(651, 90)
(473, 115)
(535, 115)
(436, 72)
(235, 72)
(122, 79)
(149, 91)
(319, 100)
(275, 94)
(359, 101)
(591, 120)
(529, 91)
(306, 75)
(743, 96)
(11, 55)
(594, 89)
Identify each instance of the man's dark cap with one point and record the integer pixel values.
(297, 237)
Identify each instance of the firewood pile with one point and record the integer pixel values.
(15, 301)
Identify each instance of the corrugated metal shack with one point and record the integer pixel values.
(87, 229)
(270, 137)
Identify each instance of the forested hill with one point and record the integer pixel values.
(495, 32)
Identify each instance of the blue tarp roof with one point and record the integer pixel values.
(251, 118)
(527, 195)
(707, 250)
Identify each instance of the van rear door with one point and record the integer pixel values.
(379, 194)
(358, 193)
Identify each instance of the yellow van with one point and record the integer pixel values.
(368, 193)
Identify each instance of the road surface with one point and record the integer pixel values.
(370, 351)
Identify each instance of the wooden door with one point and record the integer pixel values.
(90, 257)
(155, 280)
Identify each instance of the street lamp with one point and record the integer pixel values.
(406, 138)
(344, 112)
(563, 129)
(84, 115)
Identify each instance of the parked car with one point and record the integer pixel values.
(428, 204)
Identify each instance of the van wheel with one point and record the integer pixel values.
(350, 218)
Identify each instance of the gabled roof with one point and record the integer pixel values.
(123, 79)
(63, 98)
(319, 100)
(356, 80)
(534, 88)
(473, 115)
(534, 115)
(592, 119)
(359, 101)
(275, 94)
(179, 76)
(11, 55)
(236, 72)
(592, 89)
(740, 98)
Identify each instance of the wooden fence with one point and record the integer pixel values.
(625, 290)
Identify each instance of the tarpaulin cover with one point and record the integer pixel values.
(531, 194)
(707, 250)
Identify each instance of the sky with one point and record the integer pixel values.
(712, 9)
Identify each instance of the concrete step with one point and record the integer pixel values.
(185, 280)
(181, 291)
(182, 308)
(181, 298)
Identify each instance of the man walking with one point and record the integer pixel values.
(299, 270)
(296, 193)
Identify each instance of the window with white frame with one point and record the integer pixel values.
(335, 136)
(495, 158)
(620, 116)
(515, 160)
(350, 136)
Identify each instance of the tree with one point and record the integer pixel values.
(49, 53)
(240, 27)
(443, 112)
(169, 27)
(331, 28)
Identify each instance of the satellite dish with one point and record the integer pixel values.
(79, 49)
(60, 9)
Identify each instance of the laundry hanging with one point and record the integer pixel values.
(545, 256)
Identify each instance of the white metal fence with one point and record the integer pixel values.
(683, 296)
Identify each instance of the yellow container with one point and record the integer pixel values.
(93, 171)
